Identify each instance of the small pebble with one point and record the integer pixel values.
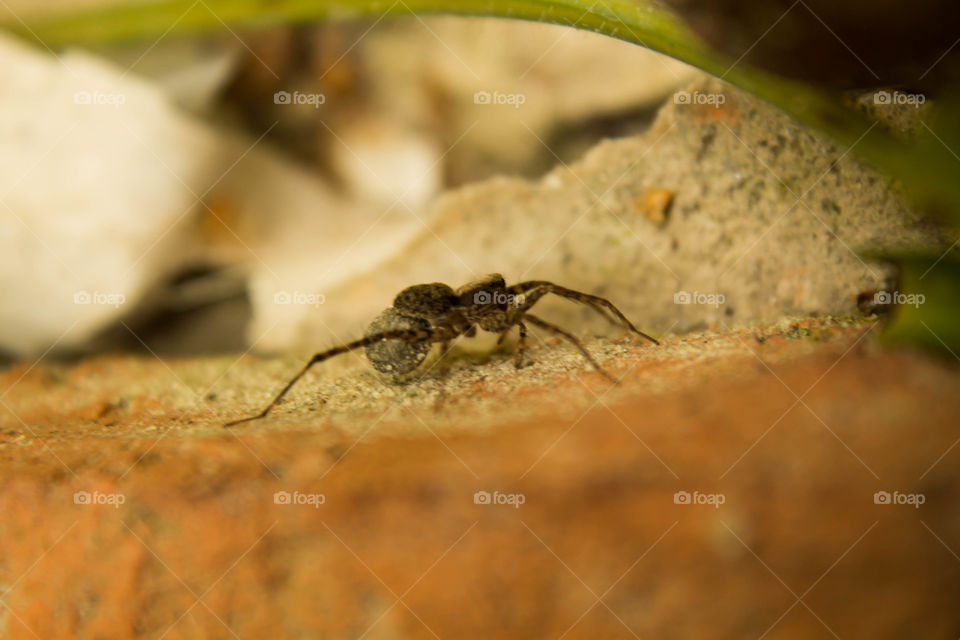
(654, 203)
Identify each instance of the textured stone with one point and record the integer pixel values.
(201, 519)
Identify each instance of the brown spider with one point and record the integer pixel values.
(398, 340)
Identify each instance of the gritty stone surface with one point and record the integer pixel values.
(129, 512)
(474, 387)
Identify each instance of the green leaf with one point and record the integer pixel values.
(928, 312)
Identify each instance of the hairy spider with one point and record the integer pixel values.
(398, 340)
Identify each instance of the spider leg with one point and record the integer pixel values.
(410, 335)
(521, 345)
(531, 298)
(444, 374)
(543, 324)
(540, 288)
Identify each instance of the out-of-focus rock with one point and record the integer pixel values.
(191, 71)
(107, 188)
(388, 166)
(488, 95)
(295, 239)
(510, 84)
(97, 174)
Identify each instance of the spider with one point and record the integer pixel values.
(400, 338)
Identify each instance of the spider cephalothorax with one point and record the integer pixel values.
(399, 339)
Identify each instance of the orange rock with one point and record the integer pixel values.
(654, 203)
(604, 544)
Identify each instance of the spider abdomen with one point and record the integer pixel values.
(428, 301)
(396, 356)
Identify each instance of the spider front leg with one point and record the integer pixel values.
(543, 324)
(409, 335)
(533, 290)
(444, 375)
(521, 343)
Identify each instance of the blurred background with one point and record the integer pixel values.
(270, 188)
(160, 195)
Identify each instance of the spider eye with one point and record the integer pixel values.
(396, 356)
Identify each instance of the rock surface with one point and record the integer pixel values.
(766, 220)
(129, 512)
